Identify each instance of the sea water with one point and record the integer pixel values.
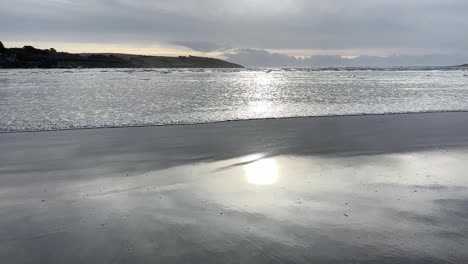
(52, 99)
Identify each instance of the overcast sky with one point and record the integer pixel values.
(293, 27)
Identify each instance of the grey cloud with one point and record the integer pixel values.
(437, 25)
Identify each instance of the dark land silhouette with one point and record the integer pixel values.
(30, 57)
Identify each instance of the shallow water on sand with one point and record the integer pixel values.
(362, 189)
(86, 98)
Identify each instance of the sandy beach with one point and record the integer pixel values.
(356, 189)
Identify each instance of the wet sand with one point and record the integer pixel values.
(362, 189)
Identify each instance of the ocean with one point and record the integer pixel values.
(56, 99)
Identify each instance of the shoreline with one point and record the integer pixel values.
(180, 145)
(234, 120)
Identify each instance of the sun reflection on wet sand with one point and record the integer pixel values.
(262, 172)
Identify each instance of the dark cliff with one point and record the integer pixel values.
(30, 57)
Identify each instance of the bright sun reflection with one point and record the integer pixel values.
(262, 172)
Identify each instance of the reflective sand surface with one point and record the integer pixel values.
(260, 207)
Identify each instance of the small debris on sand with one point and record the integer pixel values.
(346, 215)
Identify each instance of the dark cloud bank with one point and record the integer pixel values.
(263, 58)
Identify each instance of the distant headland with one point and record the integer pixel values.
(30, 57)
